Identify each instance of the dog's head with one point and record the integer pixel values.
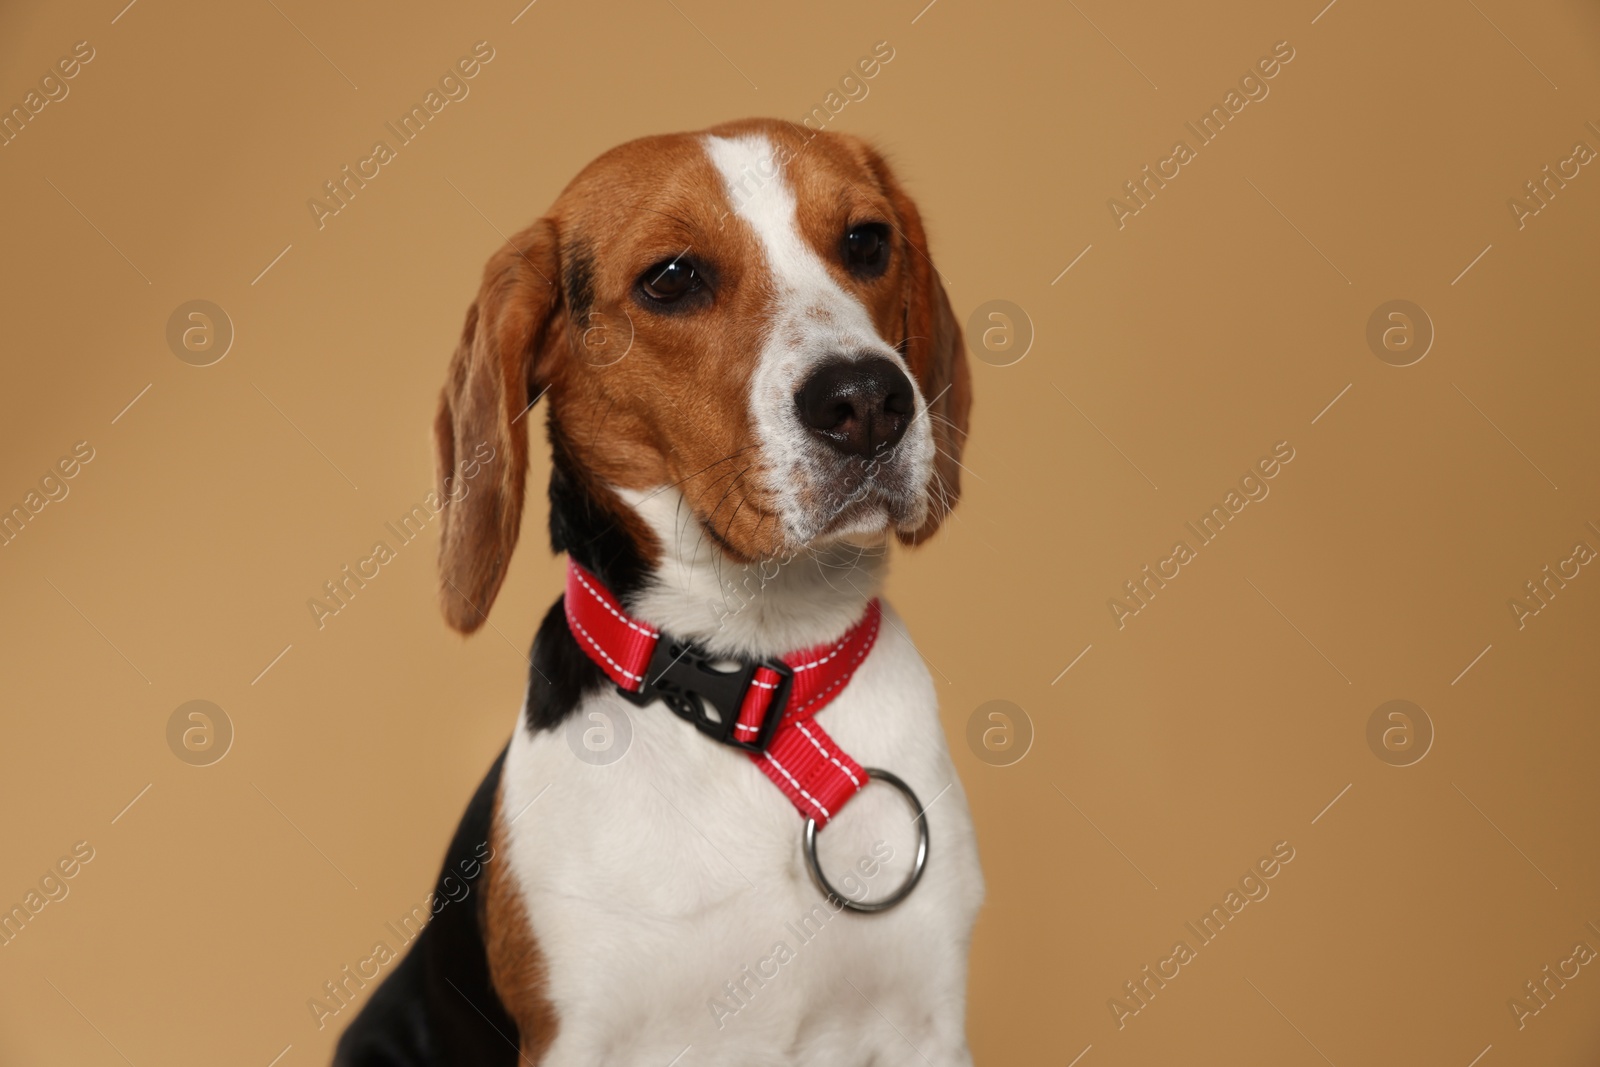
(748, 315)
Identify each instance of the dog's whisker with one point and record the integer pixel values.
(744, 498)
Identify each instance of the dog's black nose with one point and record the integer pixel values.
(860, 407)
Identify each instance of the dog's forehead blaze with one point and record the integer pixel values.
(675, 410)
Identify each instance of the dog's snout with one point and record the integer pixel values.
(860, 407)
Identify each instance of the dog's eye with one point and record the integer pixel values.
(866, 249)
(669, 281)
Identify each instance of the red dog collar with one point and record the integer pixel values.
(764, 707)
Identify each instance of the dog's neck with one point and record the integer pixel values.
(666, 568)
(765, 608)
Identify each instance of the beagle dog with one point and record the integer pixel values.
(726, 828)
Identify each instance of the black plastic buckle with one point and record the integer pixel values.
(683, 676)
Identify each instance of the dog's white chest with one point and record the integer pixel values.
(667, 891)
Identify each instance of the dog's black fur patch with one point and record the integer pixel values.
(561, 675)
(438, 1008)
(584, 528)
(577, 281)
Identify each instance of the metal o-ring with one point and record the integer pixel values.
(833, 895)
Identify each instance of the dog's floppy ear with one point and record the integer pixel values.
(935, 351)
(496, 373)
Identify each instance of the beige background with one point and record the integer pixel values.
(1222, 319)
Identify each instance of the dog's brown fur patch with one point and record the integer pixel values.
(516, 966)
